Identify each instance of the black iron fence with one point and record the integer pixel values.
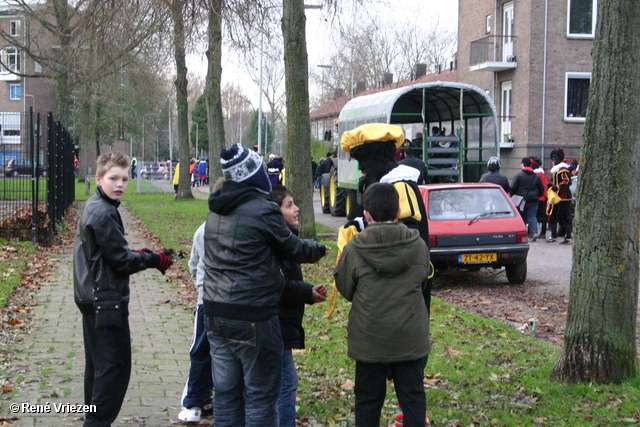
(37, 182)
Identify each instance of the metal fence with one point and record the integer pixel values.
(37, 182)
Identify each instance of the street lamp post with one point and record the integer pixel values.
(143, 140)
(343, 68)
(197, 135)
(24, 102)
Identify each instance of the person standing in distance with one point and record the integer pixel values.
(494, 176)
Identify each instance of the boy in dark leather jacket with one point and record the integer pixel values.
(101, 268)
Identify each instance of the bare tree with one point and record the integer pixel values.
(600, 341)
(238, 112)
(177, 11)
(92, 40)
(298, 147)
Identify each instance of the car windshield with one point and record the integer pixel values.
(468, 204)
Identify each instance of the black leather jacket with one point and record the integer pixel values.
(102, 260)
(245, 237)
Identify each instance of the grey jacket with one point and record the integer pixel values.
(384, 272)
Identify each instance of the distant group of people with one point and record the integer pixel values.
(199, 172)
(532, 188)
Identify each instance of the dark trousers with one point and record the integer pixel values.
(107, 370)
(197, 391)
(371, 388)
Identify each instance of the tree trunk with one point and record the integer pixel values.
(600, 343)
(298, 140)
(213, 97)
(184, 183)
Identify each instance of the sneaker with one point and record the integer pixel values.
(541, 236)
(190, 415)
(566, 242)
(533, 238)
(207, 410)
(551, 240)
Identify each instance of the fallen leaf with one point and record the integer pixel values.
(348, 385)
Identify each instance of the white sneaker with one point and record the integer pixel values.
(190, 415)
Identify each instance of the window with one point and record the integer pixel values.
(505, 112)
(15, 92)
(37, 68)
(14, 28)
(488, 24)
(576, 96)
(581, 18)
(508, 14)
(11, 57)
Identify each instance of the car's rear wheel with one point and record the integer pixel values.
(15, 174)
(43, 174)
(143, 175)
(517, 273)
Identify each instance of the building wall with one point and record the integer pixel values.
(41, 91)
(563, 55)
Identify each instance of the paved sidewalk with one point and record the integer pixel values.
(161, 335)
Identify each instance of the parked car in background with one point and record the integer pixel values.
(147, 171)
(475, 225)
(16, 167)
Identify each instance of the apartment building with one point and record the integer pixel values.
(533, 57)
(20, 84)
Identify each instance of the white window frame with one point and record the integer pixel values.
(10, 56)
(594, 15)
(14, 27)
(508, 17)
(11, 92)
(573, 75)
(506, 108)
(488, 29)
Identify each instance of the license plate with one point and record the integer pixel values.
(477, 258)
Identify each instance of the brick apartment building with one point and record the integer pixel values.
(17, 92)
(533, 57)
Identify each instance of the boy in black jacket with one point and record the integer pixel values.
(295, 295)
(102, 264)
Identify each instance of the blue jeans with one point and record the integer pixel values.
(287, 400)
(530, 216)
(247, 371)
(197, 390)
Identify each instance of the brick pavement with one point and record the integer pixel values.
(54, 353)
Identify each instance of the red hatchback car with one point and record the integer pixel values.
(475, 225)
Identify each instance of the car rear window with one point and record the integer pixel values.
(468, 203)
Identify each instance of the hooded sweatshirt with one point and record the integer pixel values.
(384, 272)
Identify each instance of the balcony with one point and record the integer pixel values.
(493, 53)
(8, 76)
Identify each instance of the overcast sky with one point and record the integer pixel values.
(319, 44)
